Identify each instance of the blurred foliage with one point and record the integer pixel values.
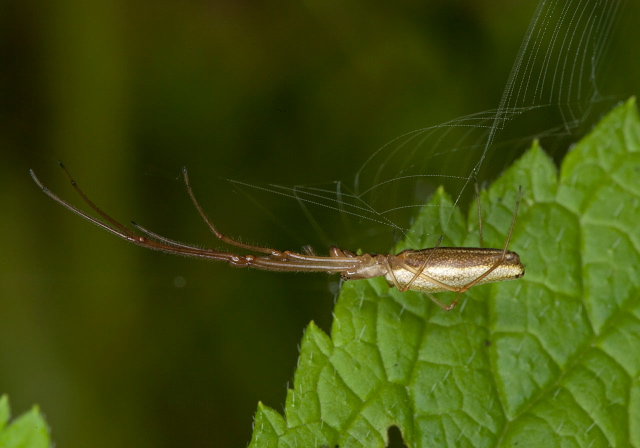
(126, 347)
(27, 431)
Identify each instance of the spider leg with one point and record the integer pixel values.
(119, 229)
(424, 265)
(475, 184)
(443, 305)
(104, 216)
(504, 250)
(215, 231)
(275, 261)
(387, 265)
(164, 239)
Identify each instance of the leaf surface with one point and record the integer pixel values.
(552, 359)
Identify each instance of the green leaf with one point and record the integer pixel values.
(27, 431)
(5, 413)
(549, 360)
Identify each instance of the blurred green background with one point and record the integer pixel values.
(125, 347)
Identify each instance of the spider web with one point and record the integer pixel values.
(551, 94)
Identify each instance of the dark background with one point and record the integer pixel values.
(124, 347)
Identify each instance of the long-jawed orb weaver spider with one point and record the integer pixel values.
(428, 271)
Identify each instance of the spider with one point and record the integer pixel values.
(432, 270)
